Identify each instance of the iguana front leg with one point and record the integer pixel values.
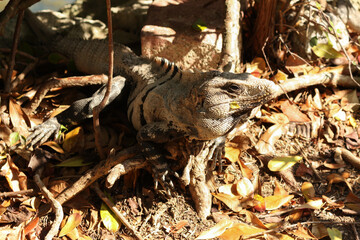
(148, 137)
(77, 112)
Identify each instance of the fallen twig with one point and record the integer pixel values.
(56, 206)
(91, 176)
(63, 82)
(115, 210)
(17, 193)
(123, 168)
(349, 157)
(13, 51)
(325, 78)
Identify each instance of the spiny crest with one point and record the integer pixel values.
(166, 65)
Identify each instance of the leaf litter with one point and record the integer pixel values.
(268, 188)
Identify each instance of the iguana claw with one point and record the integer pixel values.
(41, 133)
(161, 174)
(217, 150)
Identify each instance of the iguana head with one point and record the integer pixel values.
(223, 100)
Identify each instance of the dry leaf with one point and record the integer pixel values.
(232, 154)
(283, 163)
(275, 202)
(231, 201)
(72, 222)
(279, 190)
(303, 232)
(269, 138)
(308, 190)
(244, 188)
(238, 230)
(109, 219)
(216, 230)
(293, 113)
(251, 217)
(17, 180)
(72, 138)
(177, 228)
(336, 178)
(334, 234)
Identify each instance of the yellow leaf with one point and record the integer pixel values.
(326, 51)
(109, 219)
(71, 139)
(216, 230)
(73, 221)
(240, 229)
(308, 190)
(316, 203)
(334, 234)
(232, 154)
(232, 202)
(55, 146)
(283, 163)
(77, 161)
(275, 202)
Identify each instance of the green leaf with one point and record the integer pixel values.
(199, 25)
(14, 138)
(109, 219)
(326, 51)
(334, 233)
(77, 161)
(283, 163)
(318, 5)
(313, 41)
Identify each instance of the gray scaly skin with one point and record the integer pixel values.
(165, 102)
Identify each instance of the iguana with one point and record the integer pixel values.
(165, 102)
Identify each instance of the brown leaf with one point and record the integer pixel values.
(295, 215)
(238, 230)
(336, 178)
(251, 217)
(232, 154)
(303, 232)
(231, 201)
(18, 117)
(245, 170)
(293, 113)
(177, 228)
(216, 230)
(279, 191)
(352, 198)
(275, 202)
(269, 138)
(332, 204)
(17, 180)
(31, 225)
(302, 170)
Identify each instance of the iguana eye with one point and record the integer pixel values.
(233, 88)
